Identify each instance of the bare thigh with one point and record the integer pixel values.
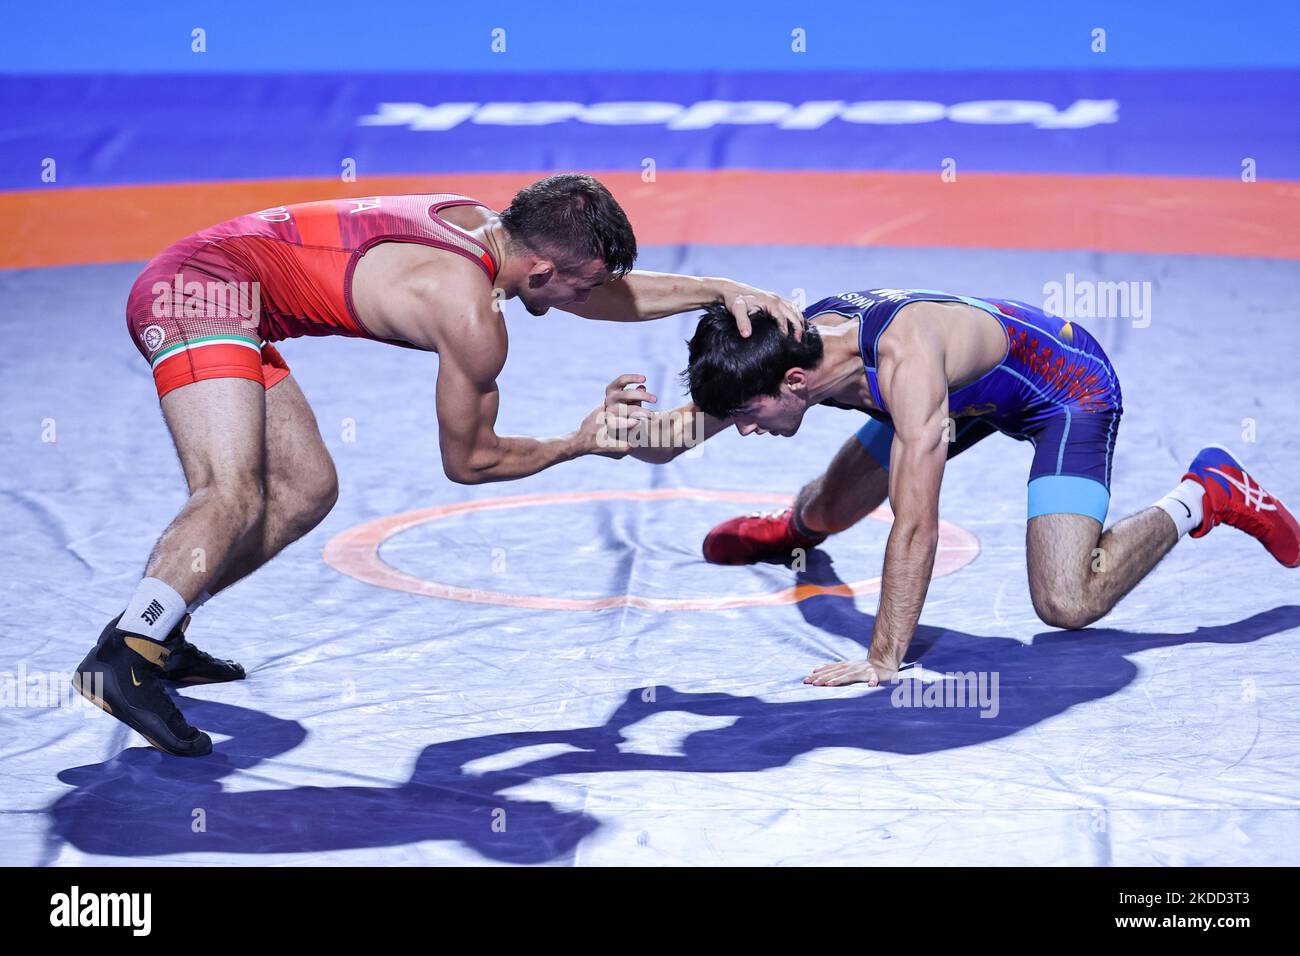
(301, 481)
(218, 427)
(1059, 552)
(301, 485)
(853, 485)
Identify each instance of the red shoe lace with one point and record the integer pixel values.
(1250, 521)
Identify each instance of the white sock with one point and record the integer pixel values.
(1183, 504)
(154, 610)
(198, 602)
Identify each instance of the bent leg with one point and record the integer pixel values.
(301, 484)
(217, 427)
(853, 485)
(1077, 574)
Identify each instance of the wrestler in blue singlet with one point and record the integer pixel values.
(1054, 388)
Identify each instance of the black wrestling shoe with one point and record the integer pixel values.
(186, 664)
(123, 677)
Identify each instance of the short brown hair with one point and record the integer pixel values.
(572, 219)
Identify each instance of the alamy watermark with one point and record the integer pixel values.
(179, 299)
(974, 689)
(674, 429)
(133, 911)
(29, 689)
(1086, 299)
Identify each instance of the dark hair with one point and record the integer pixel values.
(725, 371)
(572, 219)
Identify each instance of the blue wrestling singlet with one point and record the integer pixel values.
(1054, 387)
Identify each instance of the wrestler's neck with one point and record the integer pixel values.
(493, 235)
(840, 375)
(512, 270)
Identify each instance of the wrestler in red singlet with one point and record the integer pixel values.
(207, 307)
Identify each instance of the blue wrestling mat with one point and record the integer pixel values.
(560, 679)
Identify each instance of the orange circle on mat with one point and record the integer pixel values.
(355, 552)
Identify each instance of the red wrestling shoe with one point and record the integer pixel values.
(755, 537)
(1233, 497)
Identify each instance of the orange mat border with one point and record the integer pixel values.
(1221, 217)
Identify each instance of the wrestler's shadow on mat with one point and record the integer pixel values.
(141, 803)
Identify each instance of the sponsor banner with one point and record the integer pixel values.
(79, 131)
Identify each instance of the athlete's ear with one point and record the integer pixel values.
(796, 379)
(541, 272)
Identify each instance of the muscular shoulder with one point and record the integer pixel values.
(465, 321)
(916, 327)
(447, 282)
(477, 343)
(445, 299)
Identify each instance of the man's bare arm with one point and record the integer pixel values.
(640, 296)
(468, 401)
(665, 435)
(915, 388)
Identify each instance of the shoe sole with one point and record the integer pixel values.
(103, 705)
(202, 680)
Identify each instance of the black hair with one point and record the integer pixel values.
(725, 371)
(572, 219)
